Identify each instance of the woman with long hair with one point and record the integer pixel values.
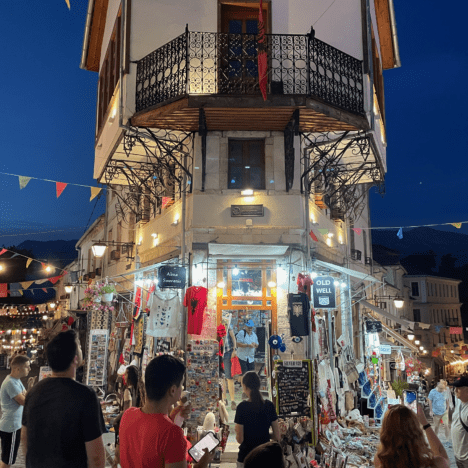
(254, 418)
(402, 441)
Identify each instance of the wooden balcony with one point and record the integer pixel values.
(218, 72)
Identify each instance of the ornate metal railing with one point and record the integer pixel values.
(226, 64)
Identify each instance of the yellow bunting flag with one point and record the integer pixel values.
(20, 291)
(457, 225)
(26, 284)
(23, 181)
(68, 3)
(95, 191)
(29, 262)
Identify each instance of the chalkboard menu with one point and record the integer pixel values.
(293, 388)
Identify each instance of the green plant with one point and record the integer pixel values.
(399, 386)
(108, 288)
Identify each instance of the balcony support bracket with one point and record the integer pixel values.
(291, 130)
(337, 181)
(203, 131)
(150, 167)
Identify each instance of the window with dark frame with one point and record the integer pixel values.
(415, 288)
(109, 73)
(417, 315)
(246, 165)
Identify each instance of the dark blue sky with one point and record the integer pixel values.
(48, 116)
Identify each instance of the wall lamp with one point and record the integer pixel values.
(99, 248)
(68, 288)
(398, 301)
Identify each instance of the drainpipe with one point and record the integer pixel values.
(396, 49)
(84, 50)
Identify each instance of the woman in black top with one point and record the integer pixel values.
(254, 418)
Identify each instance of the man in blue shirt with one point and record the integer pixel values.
(438, 406)
(247, 342)
(12, 397)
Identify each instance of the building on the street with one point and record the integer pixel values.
(435, 301)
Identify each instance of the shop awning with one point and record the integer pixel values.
(406, 343)
(246, 251)
(347, 271)
(385, 314)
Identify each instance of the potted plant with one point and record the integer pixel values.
(399, 386)
(108, 291)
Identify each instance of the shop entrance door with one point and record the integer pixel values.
(249, 293)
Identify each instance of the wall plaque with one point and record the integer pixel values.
(247, 210)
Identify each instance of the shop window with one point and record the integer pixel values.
(417, 315)
(415, 289)
(246, 167)
(109, 73)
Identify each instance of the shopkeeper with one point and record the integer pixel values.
(247, 342)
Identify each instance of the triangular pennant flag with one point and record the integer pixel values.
(29, 262)
(23, 181)
(358, 231)
(457, 225)
(55, 279)
(42, 281)
(68, 3)
(400, 233)
(14, 255)
(26, 284)
(95, 191)
(60, 187)
(2, 251)
(314, 237)
(20, 291)
(324, 232)
(32, 290)
(44, 289)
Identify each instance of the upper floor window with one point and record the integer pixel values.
(415, 288)
(246, 166)
(417, 315)
(109, 73)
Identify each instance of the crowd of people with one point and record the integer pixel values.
(59, 421)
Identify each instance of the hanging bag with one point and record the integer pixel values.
(235, 366)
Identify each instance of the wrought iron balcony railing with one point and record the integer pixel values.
(200, 63)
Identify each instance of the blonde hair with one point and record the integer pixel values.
(402, 441)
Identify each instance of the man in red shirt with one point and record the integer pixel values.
(148, 438)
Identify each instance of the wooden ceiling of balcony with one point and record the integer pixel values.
(250, 113)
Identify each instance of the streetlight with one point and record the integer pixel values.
(1, 268)
(68, 288)
(410, 337)
(421, 348)
(99, 249)
(399, 302)
(417, 342)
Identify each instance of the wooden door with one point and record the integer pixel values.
(238, 48)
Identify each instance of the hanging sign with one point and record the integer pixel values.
(385, 349)
(170, 276)
(292, 364)
(324, 293)
(456, 330)
(247, 210)
(373, 326)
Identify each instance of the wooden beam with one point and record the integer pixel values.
(384, 24)
(96, 35)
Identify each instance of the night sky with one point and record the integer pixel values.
(48, 107)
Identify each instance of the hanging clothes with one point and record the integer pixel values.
(164, 314)
(195, 300)
(298, 312)
(304, 283)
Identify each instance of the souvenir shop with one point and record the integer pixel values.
(330, 401)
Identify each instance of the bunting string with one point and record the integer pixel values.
(30, 260)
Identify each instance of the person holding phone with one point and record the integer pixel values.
(148, 437)
(402, 441)
(254, 418)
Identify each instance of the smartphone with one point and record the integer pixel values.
(209, 441)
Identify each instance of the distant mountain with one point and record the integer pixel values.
(59, 251)
(423, 242)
